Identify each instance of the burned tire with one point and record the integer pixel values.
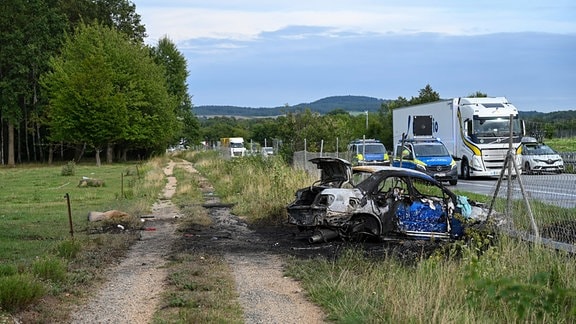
(365, 227)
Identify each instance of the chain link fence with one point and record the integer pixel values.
(538, 207)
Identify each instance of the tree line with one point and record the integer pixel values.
(331, 131)
(76, 76)
(334, 130)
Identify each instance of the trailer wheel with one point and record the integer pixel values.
(465, 170)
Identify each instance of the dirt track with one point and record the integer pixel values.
(133, 292)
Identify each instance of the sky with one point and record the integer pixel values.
(263, 53)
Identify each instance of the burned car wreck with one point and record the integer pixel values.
(378, 202)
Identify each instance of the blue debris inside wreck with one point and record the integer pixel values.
(427, 216)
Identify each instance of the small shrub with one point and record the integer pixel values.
(68, 249)
(69, 169)
(18, 291)
(52, 269)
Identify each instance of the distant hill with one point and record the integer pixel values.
(351, 104)
(323, 106)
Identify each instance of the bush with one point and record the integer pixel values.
(69, 169)
(68, 249)
(18, 291)
(51, 268)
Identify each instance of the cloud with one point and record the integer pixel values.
(245, 20)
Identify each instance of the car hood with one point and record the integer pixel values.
(436, 160)
(544, 156)
(333, 168)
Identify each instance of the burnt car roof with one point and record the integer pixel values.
(368, 168)
(391, 171)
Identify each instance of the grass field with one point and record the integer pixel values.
(44, 249)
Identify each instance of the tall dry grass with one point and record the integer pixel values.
(260, 187)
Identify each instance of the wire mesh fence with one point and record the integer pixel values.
(539, 207)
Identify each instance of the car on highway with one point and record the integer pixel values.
(385, 202)
(538, 157)
(267, 150)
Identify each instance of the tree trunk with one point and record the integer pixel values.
(98, 150)
(1, 139)
(110, 153)
(79, 152)
(11, 161)
(50, 153)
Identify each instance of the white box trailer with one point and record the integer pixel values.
(476, 131)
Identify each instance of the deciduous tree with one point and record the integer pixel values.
(105, 89)
(167, 55)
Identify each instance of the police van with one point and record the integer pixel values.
(428, 155)
(368, 152)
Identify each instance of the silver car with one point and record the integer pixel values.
(539, 158)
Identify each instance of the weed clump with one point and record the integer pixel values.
(69, 169)
(19, 290)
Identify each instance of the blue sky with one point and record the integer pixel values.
(262, 53)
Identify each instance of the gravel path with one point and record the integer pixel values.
(134, 290)
(266, 295)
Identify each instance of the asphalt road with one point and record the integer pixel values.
(558, 189)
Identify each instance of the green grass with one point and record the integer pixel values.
(509, 283)
(562, 144)
(38, 253)
(34, 213)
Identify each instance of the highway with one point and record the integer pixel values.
(557, 189)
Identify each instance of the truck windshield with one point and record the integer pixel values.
(430, 150)
(236, 145)
(495, 127)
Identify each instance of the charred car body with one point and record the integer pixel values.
(390, 202)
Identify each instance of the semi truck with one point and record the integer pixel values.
(233, 146)
(476, 131)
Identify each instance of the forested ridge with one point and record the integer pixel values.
(323, 106)
(350, 104)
